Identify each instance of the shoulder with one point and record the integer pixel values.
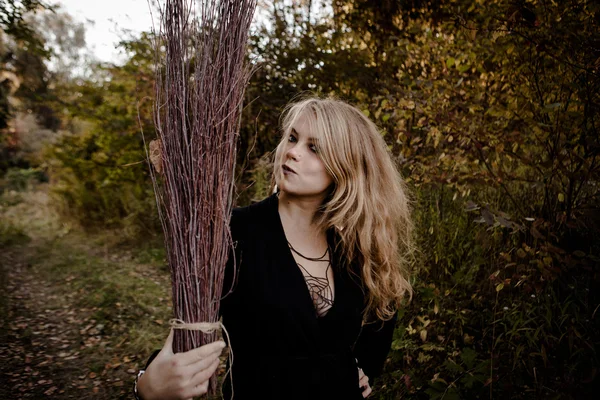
(253, 216)
(255, 211)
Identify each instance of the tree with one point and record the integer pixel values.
(21, 56)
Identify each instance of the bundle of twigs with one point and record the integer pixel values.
(200, 82)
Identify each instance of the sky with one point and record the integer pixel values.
(105, 22)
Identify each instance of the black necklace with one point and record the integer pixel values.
(318, 287)
(309, 258)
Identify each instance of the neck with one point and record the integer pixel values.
(299, 211)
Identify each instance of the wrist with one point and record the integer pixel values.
(140, 391)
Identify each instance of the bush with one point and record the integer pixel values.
(20, 179)
(496, 311)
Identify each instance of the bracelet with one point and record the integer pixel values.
(136, 395)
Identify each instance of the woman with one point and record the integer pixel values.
(321, 269)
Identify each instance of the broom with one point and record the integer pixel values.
(200, 82)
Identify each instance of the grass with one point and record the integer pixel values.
(117, 293)
(123, 295)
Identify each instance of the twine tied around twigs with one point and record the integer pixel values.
(208, 327)
(204, 327)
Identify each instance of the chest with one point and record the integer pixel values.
(275, 290)
(319, 278)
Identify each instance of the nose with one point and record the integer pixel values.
(293, 153)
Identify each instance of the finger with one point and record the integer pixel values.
(199, 382)
(200, 365)
(191, 356)
(206, 373)
(200, 390)
(363, 381)
(168, 346)
(367, 392)
(360, 373)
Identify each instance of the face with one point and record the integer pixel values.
(302, 172)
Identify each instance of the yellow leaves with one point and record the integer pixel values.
(474, 109)
(468, 339)
(100, 157)
(435, 135)
(561, 197)
(156, 154)
(424, 320)
(401, 128)
(409, 104)
(422, 330)
(463, 68)
(422, 358)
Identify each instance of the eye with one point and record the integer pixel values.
(313, 148)
(292, 139)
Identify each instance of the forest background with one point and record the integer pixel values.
(490, 108)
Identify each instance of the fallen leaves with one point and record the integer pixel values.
(62, 337)
(51, 391)
(50, 344)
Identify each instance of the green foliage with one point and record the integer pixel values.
(13, 22)
(260, 182)
(10, 235)
(20, 179)
(101, 174)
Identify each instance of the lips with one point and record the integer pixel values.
(288, 169)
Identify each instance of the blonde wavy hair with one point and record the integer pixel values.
(368, 205)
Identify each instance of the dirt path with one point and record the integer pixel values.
(41, 342)
(68, 329)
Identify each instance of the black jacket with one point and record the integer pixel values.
(282, 349)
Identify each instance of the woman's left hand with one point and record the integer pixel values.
(363, 383)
